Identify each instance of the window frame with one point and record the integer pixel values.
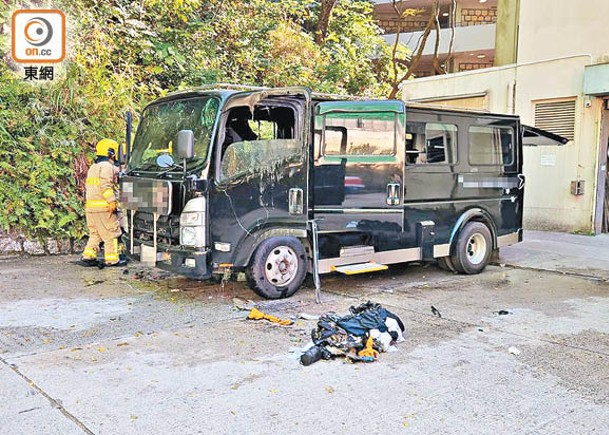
(322, 147)
(455, 151)
(512, 148)
(223, 179)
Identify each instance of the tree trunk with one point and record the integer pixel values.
(325, 11)
(395, 86)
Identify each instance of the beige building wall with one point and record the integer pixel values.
(558, 28)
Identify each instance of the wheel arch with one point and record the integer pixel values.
(246, 249)
(473, 215)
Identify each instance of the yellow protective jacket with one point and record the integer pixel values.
(100, 187)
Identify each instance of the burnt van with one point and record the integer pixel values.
(279, 183)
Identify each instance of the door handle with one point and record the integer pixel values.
(296, 201)
(393, 194)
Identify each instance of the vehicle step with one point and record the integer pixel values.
(354, 269)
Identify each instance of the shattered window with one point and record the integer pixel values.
(261, 140)
(428, 143)
(249, 156)
(159, 127)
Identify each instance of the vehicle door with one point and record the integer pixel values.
(260, 171)
(358, 169)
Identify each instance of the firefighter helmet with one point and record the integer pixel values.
(106, 148)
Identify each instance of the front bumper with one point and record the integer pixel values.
(190, 263)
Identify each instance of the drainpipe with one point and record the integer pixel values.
(511, 103)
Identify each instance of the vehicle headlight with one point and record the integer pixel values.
(192, 236)
(192, 223)
(191, 219)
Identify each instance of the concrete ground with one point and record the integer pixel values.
(88, 351)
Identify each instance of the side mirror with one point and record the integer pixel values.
(186, 144)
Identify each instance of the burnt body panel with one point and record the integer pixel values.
(260, 177)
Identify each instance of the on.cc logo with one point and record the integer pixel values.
(38, 36)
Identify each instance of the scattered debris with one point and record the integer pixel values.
(435, 312)
(28, 410)
(514, 351)
(242, 305)
(175, 290)
(502, 312)
(150, 275)
(256, 314)
(306, 316)
(94, 282)
(360, 336)
(368, 351)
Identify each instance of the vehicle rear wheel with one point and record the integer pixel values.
(446, 263)
(473, 249)
(278, 268)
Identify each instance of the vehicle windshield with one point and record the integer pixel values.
(155, 144)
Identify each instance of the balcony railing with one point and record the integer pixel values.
(467, 17)
(391, 26)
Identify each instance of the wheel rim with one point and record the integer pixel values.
(281, 266)
(476, 249)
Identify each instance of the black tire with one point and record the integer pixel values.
(473, 249)
(446, 263)
(278, 268)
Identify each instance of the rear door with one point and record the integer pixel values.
(260, 171)
(358, 169)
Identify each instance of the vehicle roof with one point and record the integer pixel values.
(226, 90)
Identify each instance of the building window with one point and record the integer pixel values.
(557, 117)
(429, 143)
(475, 17)
(491, 145)
(470, 66)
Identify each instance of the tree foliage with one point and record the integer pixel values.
(124, 53)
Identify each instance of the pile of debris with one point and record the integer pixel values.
(359, 336)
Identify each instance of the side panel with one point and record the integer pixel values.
(475, 164)
(260, 176)
(357, 175)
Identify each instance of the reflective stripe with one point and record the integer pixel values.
(108, 193)
(92, 181)
(111, 257)
(89, 253)
(91, 203)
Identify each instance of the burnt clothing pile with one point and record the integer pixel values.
(348, 335)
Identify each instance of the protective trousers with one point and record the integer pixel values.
(103, 227)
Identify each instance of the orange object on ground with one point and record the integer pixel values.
(369, 350)
(256, 314)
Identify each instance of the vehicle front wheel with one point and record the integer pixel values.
(473, 249)
(278, 268)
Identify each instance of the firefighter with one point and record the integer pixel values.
(101, 207)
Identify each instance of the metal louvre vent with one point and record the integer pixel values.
(557, 117)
